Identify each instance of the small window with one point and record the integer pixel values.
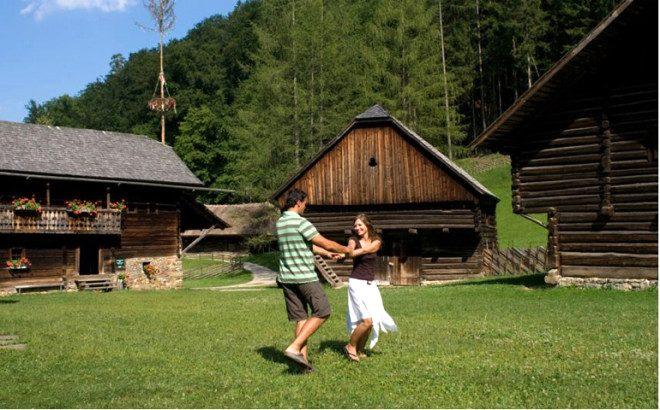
(373, 162)
(16, 253)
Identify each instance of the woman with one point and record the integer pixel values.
(366, 313)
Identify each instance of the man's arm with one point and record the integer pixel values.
(317, 250)
(332, 246)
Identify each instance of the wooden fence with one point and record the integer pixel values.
(515, 261)
(224, 267)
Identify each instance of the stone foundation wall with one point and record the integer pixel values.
(169, 276)
(607, 283)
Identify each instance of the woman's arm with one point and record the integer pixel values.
(351, 246)
(373, 247)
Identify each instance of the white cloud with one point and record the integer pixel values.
(40, 8)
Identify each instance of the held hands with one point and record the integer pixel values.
(337, 256)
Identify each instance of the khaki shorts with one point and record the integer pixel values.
(300, 297)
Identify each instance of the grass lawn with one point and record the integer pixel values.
(194, 263)
(494, 172)
(500, 342)
(268, 259)
(224, 280)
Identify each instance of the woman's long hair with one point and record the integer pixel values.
(370, 227)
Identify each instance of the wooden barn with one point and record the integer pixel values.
(434, 218)
(246, 222)
(583, 146)
(80, 207)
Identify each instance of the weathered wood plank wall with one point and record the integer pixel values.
(150, 234)
(402, 174)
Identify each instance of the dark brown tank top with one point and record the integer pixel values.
(364, 266)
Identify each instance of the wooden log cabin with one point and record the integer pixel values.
(57, 165)
(434, 218)
(247, 222)
(583, 147)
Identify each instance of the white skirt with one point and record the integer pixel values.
(364, 302)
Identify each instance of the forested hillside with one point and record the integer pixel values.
(260, 90)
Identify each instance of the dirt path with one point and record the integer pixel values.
(262, 277)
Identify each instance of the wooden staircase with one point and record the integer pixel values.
(327, 272)
(10, 342)
(96, 282)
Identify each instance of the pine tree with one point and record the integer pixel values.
(407, 69)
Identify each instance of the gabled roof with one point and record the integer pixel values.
(195, 215)
(377, 114)
(242, 219)
(82, 154)
(570, 68)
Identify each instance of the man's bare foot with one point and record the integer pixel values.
(361, 355)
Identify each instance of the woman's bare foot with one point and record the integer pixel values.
(351, 353)
(362, 355)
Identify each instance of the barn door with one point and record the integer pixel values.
(88, 259)
(405, 270)
(382, 269)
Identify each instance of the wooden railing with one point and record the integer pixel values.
(515, 261)
(58, 220)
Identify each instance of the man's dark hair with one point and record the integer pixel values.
(292, 198)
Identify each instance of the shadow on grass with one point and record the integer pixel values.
(7, 301)
(534, 281)
(336, 346)
(272, 354)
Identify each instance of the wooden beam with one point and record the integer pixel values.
(536, 221)
(621, 272)
(199, 238)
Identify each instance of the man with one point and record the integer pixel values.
(298, 240)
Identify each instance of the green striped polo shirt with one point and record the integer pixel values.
(294, 235)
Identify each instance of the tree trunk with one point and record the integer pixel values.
(321, 80)
(161, 78)
(481, 71)
(296, 129)
(499, 93)
(444, 79)
(515, 75)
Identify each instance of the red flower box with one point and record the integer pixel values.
(78, 208)
(26, 206)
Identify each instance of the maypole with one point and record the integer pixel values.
(162, 12)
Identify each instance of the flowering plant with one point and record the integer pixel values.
(150, 270)
(119, 206)
(22, 263)
(82, 208)
(26, 204)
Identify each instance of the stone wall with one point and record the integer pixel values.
(169, 276)
(607, 283)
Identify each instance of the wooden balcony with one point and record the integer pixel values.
(58, 220)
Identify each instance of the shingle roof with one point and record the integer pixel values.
(377, 114)
(72, 152)
(374, 112)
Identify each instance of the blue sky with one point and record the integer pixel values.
(53, 47)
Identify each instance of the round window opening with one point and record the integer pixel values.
(372, 162)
